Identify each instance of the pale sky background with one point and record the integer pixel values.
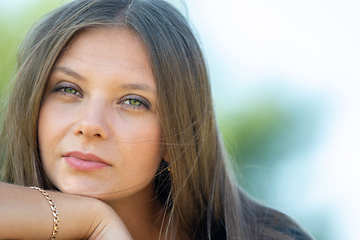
(306, 51)
(309, 49)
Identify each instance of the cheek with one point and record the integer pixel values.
(44, 140)
(140, 145)
(137, 130)
(43, 128)
(51, 129)
(53, 121)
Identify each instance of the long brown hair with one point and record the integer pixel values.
(199, 194)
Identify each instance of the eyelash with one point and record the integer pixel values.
(62, 90)
(143, 102)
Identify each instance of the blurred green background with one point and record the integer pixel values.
(266, 133)
(16, 17)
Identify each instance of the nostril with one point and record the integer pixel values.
(95, 134)
(90, 130)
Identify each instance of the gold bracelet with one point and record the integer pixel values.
(54, 211)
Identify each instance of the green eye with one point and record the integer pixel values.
(134, 102)
(67, 90)
(70, 90)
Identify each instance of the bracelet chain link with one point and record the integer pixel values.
(54, 211)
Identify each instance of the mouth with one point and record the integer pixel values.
(85, 161)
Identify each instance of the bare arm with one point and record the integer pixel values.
(26, 214)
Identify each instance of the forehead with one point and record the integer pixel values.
(107, 53)
(114, 46)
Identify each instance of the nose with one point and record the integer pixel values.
(92, 121)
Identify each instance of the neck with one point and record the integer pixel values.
(141, 213)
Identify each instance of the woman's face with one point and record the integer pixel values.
(99, 131)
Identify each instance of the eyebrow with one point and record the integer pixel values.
(142, 87)
(130, 86)
(69, 72)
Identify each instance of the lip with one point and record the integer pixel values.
(85, 161)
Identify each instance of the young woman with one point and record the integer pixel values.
(111, 114)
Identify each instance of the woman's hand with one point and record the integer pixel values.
(109, 226)
(26, 214)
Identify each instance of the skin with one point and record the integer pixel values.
(25, 214)
(101, 99)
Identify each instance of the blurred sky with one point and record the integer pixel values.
(299, 52)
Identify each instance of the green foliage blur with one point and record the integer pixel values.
(263, 135)
(16, 17)
(258, 137)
